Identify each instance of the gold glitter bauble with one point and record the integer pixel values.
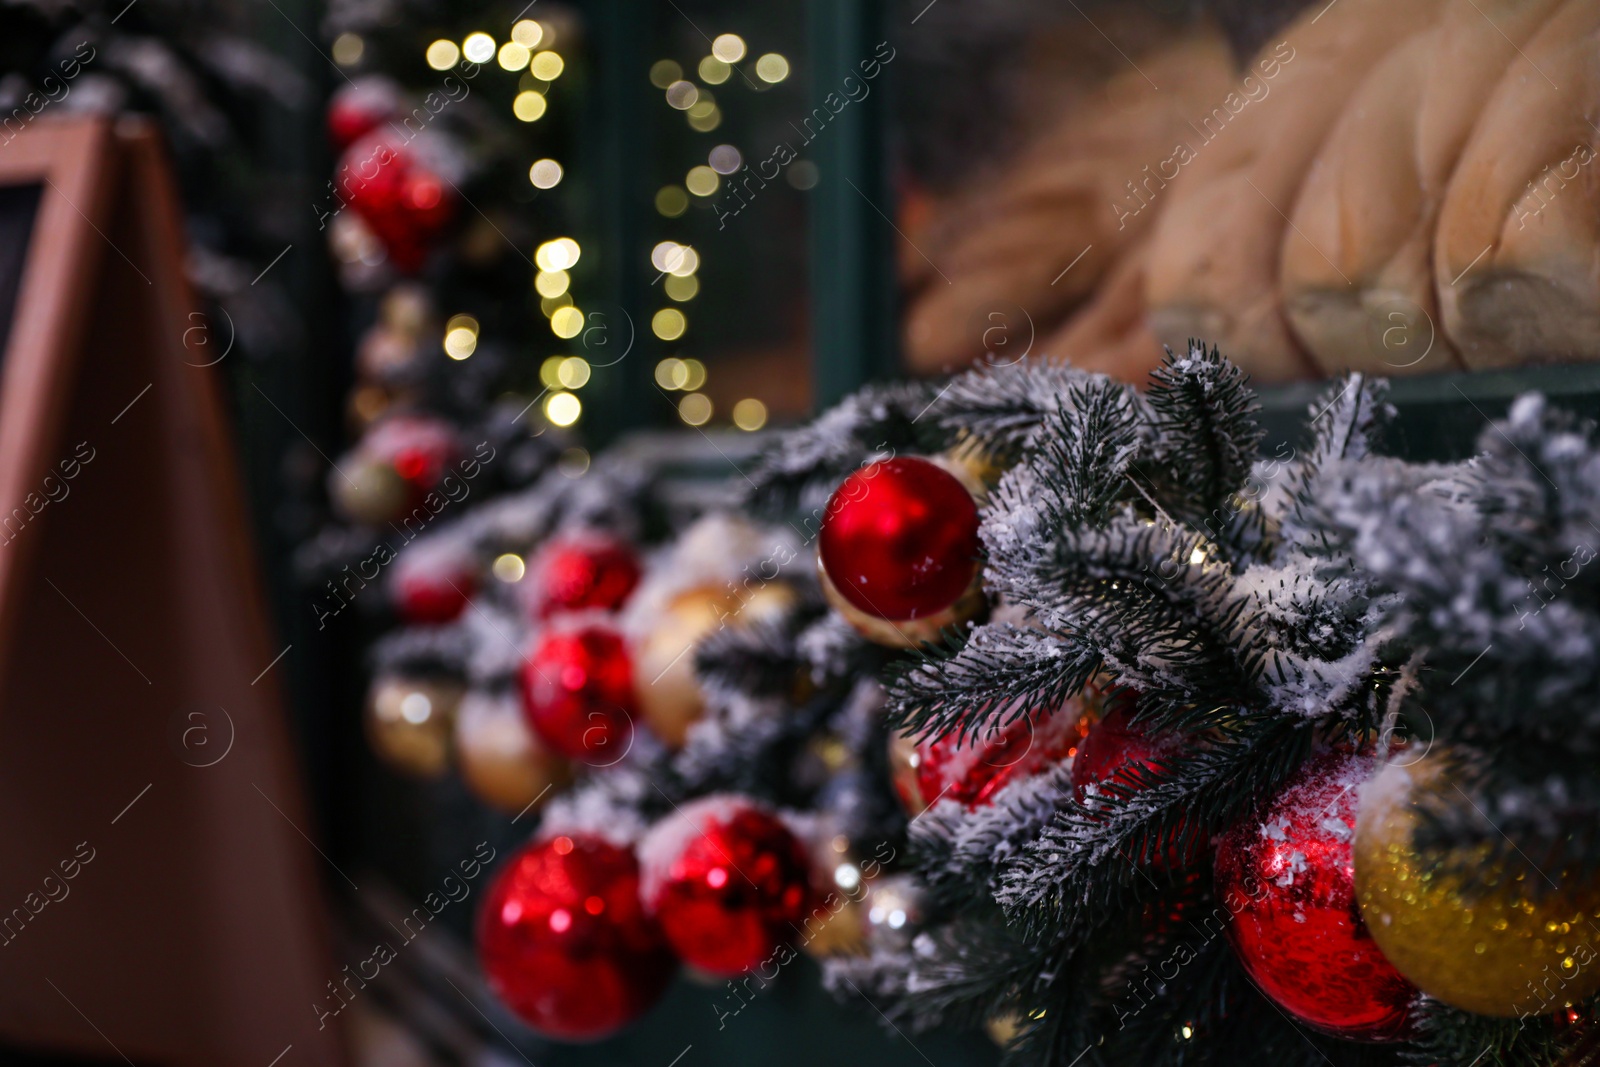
(504, 763)
(1003, 1028)
(664, 680)
(409, 722)
(1501, 940)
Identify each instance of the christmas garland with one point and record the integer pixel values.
(1094, 725)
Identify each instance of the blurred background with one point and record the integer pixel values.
(665, 229)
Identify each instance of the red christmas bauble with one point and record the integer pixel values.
(577, 691)
(1288, 882)
(728, 882)
(581, 571)
(397, 186)
(899, 539)
(1112, 751)
(973, 770)
(420, 448)
(360, 107)
(432, 587)
(565, 940)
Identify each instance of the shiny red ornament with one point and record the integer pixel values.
(565, 940)
(1112, 752)
(728, 882)
(403, 198)
(899, 539)
(420, 448)
(432, 587)
(973, 770)
(361, 106)
(1287, 880)
(577, 572)
(577, 691)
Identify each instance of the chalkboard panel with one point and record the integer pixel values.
(19, 206)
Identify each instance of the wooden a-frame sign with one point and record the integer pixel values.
(159, 900)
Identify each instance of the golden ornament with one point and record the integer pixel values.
(503, 762)
(1499, 941)
(664, 680)
(1003, 1028)
(836, 927)
(367, 490)
(904, 633)
(903, 763)
(409, 722)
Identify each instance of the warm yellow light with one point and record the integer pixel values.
(672, 201)
(478, 47)
(566, 322)
(529, 105)
(669, 257)
(513, 56)
(547, 66)
(682, 95)
(694, 374)
(695, 409)
(527, 33)
(668, 372)
(460, 336)
(574, 372)
(714, 71)
(705, 123)
(728, 47)
(442, 55)
(550, 371)
(705, 104)
(772, 68)
(562, 409)
(685, 263)
(559, 254)
(668, 324)
(702, 180)
(347, 49)
(549, 305)
(663, 72)
(681, 289)
(551, 282)
(750, 414)
(460, 343)
(508, 567)
(545, 174)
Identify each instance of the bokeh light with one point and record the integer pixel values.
(750, 414)
(728, 47)
(545, 174)
(442, 55)
(562, 409)
(695, 409)
(772, 68)
(668, 324)
(529, 105)
(478, 47)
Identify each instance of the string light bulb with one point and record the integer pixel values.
(545, 174)
(562, 409)
(728, 47)
(527, 33)
(478, 47)
(547, 66)
(772, 68)
(442, 55)
(529, 105)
